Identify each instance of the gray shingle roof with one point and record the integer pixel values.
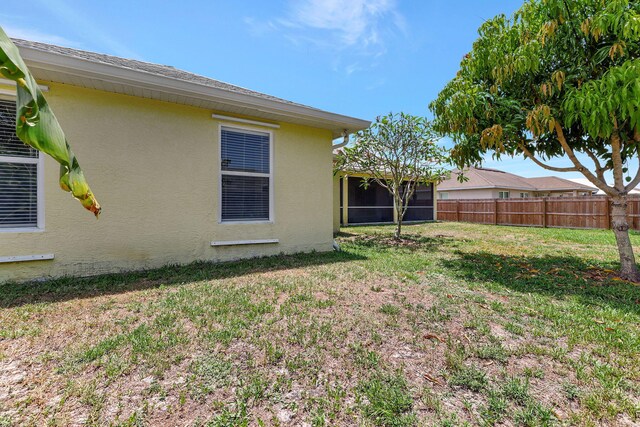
(486, 178)
(148, 67)
(493, 178)
(550, 183)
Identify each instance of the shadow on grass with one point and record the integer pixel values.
(67, 288)
(343, 233)
(548, 275)
(408, 242)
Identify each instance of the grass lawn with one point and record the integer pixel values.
(460, 324)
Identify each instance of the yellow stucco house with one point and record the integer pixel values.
(186, 168)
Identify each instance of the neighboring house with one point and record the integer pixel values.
(355, 204)
(484, 183)
(186, 168)
(585, 181)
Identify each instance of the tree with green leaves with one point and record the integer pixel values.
(399, 152)
(37, 126)
(560, 78)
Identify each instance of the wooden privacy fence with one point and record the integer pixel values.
(560, 212)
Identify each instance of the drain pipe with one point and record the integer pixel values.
(345, 141)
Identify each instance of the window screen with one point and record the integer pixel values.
(246, 175)
(420, 207)
(369, 204)
(18, 174)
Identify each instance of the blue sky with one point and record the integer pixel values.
(361, 58)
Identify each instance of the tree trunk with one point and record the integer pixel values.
(398, 229)
(397, 206)
(620, 226)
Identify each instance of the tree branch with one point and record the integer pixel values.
(544, 165)
(599, 169)
(602, 185)
(636, 180)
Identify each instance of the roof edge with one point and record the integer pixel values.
(79, 67)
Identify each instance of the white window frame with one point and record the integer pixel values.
(39, 161)
(444, 195)
(524, 195)
(270, 175)
(502, 193)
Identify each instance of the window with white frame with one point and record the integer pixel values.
(524, 195)
(503, 194)
(444, 196)
(246, 175)
(20, 173)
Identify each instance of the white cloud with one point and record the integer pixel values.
(354, 27)
(84, 27)
(353, 23)
(39, 36)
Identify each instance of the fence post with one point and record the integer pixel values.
(544, 212)
(457, 210)
(607, 205)
(495, 211)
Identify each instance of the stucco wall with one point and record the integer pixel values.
(154, 167)
(485, 193)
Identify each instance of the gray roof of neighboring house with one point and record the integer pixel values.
(554, 183)
(478, 178)
(485, 178)
(166, 83)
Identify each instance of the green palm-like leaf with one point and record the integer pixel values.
(37, 126)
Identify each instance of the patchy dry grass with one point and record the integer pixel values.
(460, 324)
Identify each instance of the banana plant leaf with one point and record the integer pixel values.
(37, 126)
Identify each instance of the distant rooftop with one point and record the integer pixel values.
(478, 178)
